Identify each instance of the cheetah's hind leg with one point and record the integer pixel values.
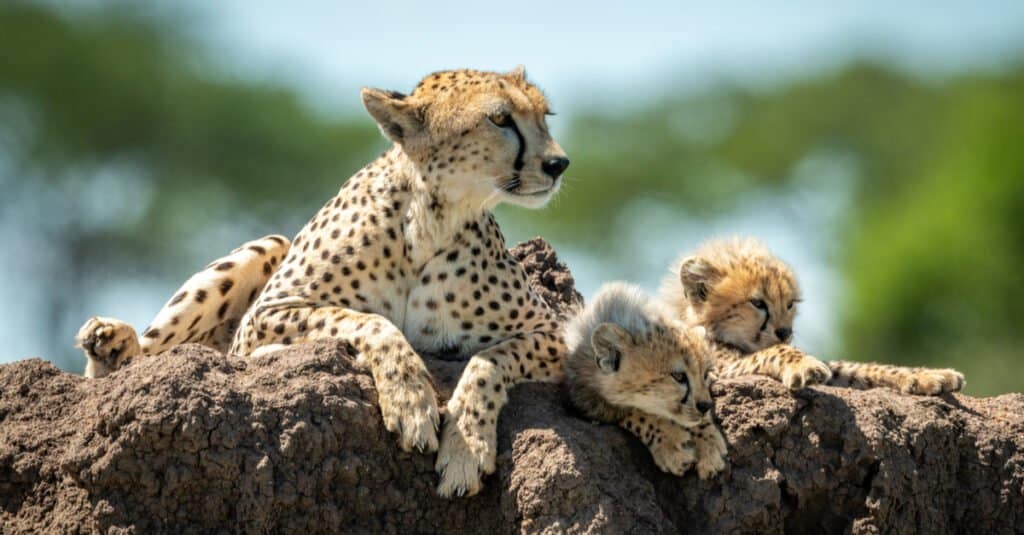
(205, 309)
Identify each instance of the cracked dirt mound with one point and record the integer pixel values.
(193, 441)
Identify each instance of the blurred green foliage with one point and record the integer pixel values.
(931, 245)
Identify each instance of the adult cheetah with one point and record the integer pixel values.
(407, 257)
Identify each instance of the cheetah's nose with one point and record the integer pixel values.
(704, 406)
(554, 167)
(783, 333)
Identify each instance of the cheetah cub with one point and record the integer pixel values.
(746, 299)
(630, 363)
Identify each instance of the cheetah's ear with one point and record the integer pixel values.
(609, 340)
(519, 72)
(697, 275)
(399, 120)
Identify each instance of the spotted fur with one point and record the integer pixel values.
(205, 310)
(407, 258)
(747, 298)
(630, 363)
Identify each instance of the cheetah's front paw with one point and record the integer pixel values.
(107, 344)
(711, 450)
(464, 457)
(409, 408)
(934, 382)
(674, 453)
(806, 372)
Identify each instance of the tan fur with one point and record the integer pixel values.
(722, 287)
(408, 258)
(630, 363)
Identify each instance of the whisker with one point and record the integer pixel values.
(486, 200)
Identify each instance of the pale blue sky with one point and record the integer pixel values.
(580, 50)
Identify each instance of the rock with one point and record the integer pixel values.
(194, 441)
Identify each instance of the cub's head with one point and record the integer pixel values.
(477, 138)
(630, 351)
(743, 295)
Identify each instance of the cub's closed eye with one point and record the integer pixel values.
(759, 304)
(680, 378)
(501, 119)
(550, 113)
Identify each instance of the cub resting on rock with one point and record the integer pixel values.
(630, 363)
(746, 299)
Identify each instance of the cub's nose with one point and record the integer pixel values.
(783, 333)
(554, 167)
(704, 406)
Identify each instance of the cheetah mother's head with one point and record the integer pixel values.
(476, 138)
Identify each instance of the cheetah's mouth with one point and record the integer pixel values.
(513, 186)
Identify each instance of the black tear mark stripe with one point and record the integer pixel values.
(767, 313)
(522, 144)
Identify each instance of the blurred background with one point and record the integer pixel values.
(878, 147)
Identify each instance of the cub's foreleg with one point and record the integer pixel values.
(671, 445)
(783, 362)
(922, 381)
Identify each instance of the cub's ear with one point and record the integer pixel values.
(609, 342)
(398, 119)
(697, 276)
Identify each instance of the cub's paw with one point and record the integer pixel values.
(409, 408)
(675, 452)
(934, 382)
(711, 450)
(108, 343)
(806, 371)
(467, 452)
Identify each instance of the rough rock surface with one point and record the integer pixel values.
(193, 441)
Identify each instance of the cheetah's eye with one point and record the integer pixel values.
(681, 378)
(759, 304)
(502, 119)
(790, 305)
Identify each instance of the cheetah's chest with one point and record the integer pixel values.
(467, 299)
